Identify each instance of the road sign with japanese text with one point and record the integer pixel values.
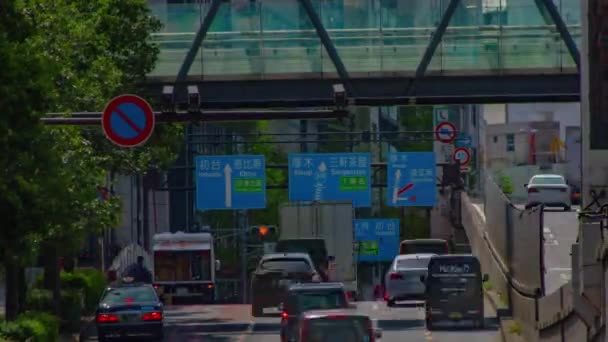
(330, 177)
(377, 239)
(230, 182)
(411, 179)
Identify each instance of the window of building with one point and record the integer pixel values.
(510, 142)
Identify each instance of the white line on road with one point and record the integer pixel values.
(546, 230)
(550, 236)
(560, 269)
(566, 276)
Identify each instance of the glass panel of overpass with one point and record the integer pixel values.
(275, 38)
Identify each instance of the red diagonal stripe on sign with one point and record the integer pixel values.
(405, 188)
(126, 118)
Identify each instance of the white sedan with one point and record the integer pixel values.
(403, 277)
(550, 190)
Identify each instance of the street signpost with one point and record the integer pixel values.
(445, 132)
(462, 156)
(230, 182)
(411, 179)
(378, 239)
(330, 177)
(463, 140)
(128, 120)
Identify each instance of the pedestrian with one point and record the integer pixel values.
(139, 272)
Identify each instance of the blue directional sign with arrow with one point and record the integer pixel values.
(463, 140)
(411, 179)
(330, 177)
(230, 182)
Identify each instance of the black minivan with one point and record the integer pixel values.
(454, 292)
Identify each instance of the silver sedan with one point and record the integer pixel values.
(403, 278)
(550, 190)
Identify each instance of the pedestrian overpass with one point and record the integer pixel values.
(290, 53)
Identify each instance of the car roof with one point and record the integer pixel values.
(454, 256)
(120, 285)
(324, 313)
(286, 255)
(544, 175)
(315, 286)
(415, 256)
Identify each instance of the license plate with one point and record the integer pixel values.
(285, 282)
(180, 291)
(455, 315)
(131, 317)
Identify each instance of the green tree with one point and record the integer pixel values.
(65, 56)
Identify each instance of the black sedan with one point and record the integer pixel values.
(129, 310)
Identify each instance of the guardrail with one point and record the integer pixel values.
(542, 318)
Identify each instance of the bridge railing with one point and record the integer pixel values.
(275, 52)
(513, 268)
(127, 257)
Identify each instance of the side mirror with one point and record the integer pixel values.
(422, 279)
(486, 277)
(218, 265)
(378, 333)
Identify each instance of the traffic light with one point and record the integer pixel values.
(263, 232)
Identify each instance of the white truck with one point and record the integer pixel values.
(324, 230)
(184, 265)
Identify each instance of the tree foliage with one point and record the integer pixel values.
(67, 56)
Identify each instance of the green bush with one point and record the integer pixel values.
(91, 281)
(34, 326)
(39, 300)
(71, 309)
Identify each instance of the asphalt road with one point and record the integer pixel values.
(232, 323)
(560, 231)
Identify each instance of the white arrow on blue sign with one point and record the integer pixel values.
(230, 182)
(463, 140)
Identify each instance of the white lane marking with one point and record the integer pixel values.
(566, 276)
(560, 269)
(480, 211)
(551, 243)
(247, 332)
(375, 307)
(551, 236)
(546, 230)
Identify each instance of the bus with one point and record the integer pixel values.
(454, 292)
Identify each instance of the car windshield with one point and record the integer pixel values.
(129, 294)
(320, 300)
(548, 180)
(330, 329)
(421, 262)
(288, 265)
(418, 248)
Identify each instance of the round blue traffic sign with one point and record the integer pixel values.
(128, 120)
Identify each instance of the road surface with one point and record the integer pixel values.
(232, 323)
(560, 231)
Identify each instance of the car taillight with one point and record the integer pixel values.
(152, 316)
(155, 286)
(106, 318)
(532, 190)
(284, 315)
(128, 300)
(394, 276)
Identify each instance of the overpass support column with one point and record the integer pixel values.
(594, 123)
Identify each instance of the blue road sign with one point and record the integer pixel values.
(330, 177)
(128, 120)
(463, 140)
(230, 182)
(411, 179)
(377, 239)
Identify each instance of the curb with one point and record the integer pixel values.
(87, 329)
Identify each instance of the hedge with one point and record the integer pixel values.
(91, 281)
(71, 306)
(31, 326)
